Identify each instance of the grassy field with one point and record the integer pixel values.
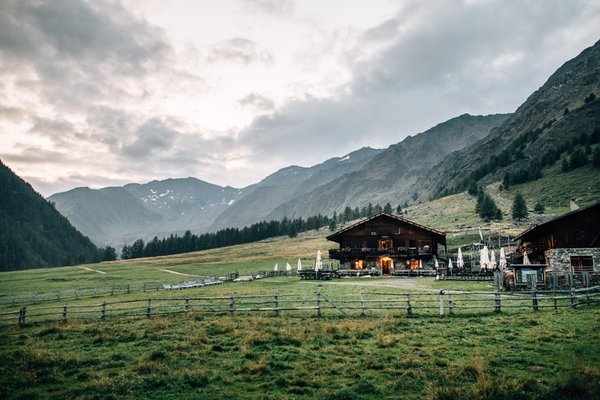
(518, 354)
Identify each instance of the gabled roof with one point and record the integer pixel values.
(560, 217)
(441, 236)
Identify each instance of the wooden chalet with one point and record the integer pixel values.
(386, 243)
(568, 244)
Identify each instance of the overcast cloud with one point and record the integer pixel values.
(100, 93)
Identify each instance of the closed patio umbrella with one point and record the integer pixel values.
(493, 260)
(460, 263)
(484, 258)
(526, 259)
(299, 265)
(502, 258)
(276, 268)
(318, 261)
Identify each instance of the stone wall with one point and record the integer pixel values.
(559, 260)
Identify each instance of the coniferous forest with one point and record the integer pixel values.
(33, 234)
(175, 244)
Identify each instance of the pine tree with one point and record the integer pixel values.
(399, 210)
(387, 208)
(539, 208)
(519, 208)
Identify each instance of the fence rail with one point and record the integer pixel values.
(13, 299)
(352, 304)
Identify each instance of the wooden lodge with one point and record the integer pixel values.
(386, 244)
(566, 246)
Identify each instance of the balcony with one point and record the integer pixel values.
(361, 253)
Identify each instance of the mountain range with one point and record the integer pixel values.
(442, 160)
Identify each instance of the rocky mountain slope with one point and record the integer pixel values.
(564, 108)
(388, 175)
(287, 184)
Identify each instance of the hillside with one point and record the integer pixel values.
(387, 176)
(287, 184)
(32, 232)
(547, 127)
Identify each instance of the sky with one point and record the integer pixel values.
(103, 93)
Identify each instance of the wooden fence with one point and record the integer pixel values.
(13, 299)
(352, 304)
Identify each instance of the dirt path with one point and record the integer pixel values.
(93, 270)
(176, 273)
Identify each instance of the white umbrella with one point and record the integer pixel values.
(288, 267)
(526, 259)
(460, 263)
(484, 259)
(449, 264)
(276, 268)
(437, 265)
(299, 265)
(502, 258)
(420, 264)
(493, 260)
(318, 262)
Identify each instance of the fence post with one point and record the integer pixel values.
(35, 298)
(441, 302)
(450, 303)
(149, 308)
(187, 304)
(64, 317)
(22, 313)
(103, 311)
(362, 304)
(112, 290)
(128, 289)
(318, 302)
(94, 293)
(276, 308)
(14, 299)
(534, 300)
(144, 287)
(498, 302)
(58, 294)
(573, 298)
(231, 305)
(76, 294)
(409, 307)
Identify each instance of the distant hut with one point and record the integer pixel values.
(385, 243)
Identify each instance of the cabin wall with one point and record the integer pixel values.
(559, 260)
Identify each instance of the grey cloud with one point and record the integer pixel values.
(257, 101)
(152, 136)
(34, 154)
(272, 6)
(241, 50)
(14, 114)
(438, 62)
(85, 33)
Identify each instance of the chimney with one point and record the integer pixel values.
(574, 206)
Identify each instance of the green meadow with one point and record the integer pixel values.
(471, 354)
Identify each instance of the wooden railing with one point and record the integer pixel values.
(352, 304)
(374, 252)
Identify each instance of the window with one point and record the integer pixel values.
(581, 264)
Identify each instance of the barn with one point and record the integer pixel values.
(569, 245)
(386, 243)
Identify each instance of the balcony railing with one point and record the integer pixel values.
(347, 252)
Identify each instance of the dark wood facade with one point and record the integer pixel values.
(387, 243)
(576, 229)
(566, 246)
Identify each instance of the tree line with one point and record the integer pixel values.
(175, 244)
